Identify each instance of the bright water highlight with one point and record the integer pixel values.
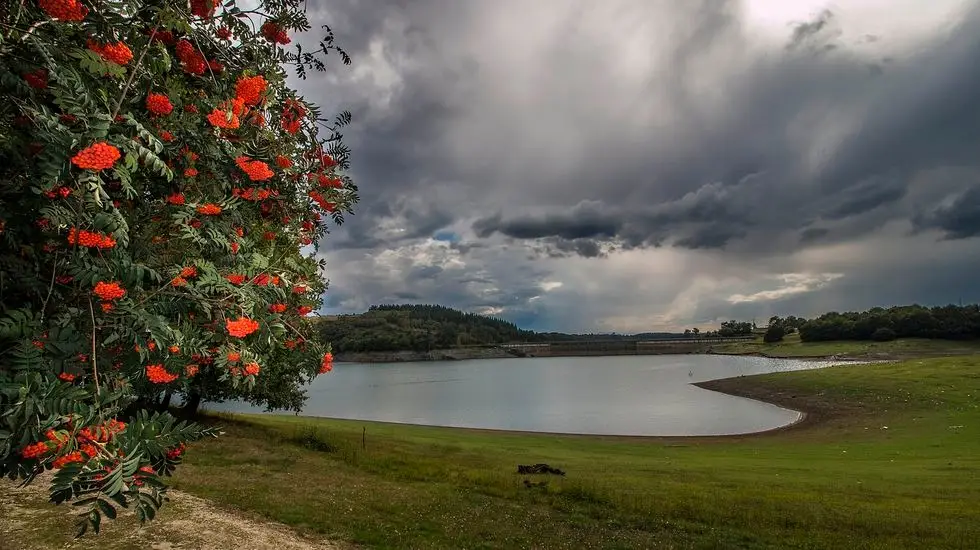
(649, 395)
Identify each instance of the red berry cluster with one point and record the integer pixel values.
(61, 191)
(175, 453)
(109, 291)
(159, 375)
(241, 327)
(226, 114)
(90, 239)
(203, 8)
(66, 10)
(320, 200)
(255, 169)
(103, 433)
(159, 104)
(263, 279)
(35, 450)
(96, 157)
(192, 61)
(292, 115)
(329, 182)
(251, 194)
(209, 209)
(250, 89)
(37, 79)
(326, 365)
(272, 32)
(117, 53)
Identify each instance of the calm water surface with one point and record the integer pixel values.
(624, 395)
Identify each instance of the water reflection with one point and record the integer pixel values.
(624, 395)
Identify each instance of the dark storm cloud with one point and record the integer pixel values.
(916, 116)
(586, 220)
(812, 234)
(587, 248)
(865, 196)
(661, 125)
(960, 219)
(425, 272)
(706, 218)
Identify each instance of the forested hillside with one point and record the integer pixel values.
(416, 327)
(429, 327)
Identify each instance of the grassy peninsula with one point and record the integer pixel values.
(793, 347)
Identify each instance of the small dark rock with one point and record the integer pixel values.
(538, 469)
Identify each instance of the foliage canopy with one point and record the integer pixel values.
(162, 191)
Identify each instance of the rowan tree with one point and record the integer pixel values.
(162, 195)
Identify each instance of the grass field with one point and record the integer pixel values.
(893, 462)
(791, 346)
(889, 457)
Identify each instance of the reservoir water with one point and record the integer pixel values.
(648, 395)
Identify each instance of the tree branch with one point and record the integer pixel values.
(95, 365)
(132, 73)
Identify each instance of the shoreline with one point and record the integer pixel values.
(811, 414)
(437, 356)
(805, 418)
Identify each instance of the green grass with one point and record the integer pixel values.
(791, 346)
(844, 482)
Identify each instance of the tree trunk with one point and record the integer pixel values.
(191, 405)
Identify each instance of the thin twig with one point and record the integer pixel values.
(16, 19)
(54, 270)
(132, 74)
(292, 328)
(205, 58)
(95, 365)
(32, 28)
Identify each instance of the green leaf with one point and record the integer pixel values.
(107, 509)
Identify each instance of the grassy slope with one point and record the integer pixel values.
(791, 346)
(846, 482)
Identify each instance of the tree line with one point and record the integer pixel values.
(398, 327)
(949, 322)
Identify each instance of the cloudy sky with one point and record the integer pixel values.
(653, 164)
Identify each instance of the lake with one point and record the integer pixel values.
(647, 395)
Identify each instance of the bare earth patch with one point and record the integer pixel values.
(29, 522)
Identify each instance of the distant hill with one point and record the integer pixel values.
(417, 328)
(429, 327)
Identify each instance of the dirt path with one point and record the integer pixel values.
(29, 522)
